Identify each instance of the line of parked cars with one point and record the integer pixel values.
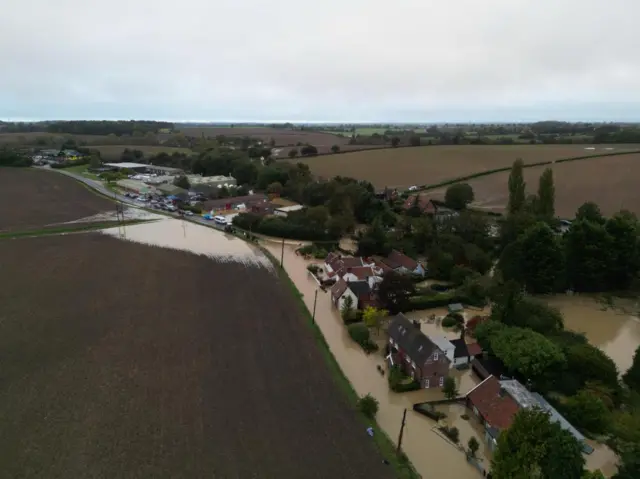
(158, 203)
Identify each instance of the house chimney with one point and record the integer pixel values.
(502, 392)
(416, 324)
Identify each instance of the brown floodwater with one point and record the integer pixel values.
(614, 330)
(430, 453)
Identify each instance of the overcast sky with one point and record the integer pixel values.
(329, 60)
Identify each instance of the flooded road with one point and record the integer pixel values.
(431, 454)
(616, 332)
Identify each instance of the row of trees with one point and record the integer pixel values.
(104, 127)
(11, 157)
(595, 254)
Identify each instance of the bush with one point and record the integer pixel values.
(429, 411)
(398, 381)
(587, 412)
(314, 268)
(368, 405)
(360, 334)
(449, 322)
(451, 432)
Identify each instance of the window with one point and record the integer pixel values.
(441, 382)
(426, 383)
(413, 365)
(435, 356)
(407, 359)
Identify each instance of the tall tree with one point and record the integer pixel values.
(542, 259)
(516, 188)
(394, 291)
(588, 252)
(632, 376)
(535, 447)
(625, 262)
(458, 196)
(590, 211)
(546, 196)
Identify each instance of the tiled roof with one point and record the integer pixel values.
(361, 272)
(474, 349)
(338, 289)
(400, 259)
(494, 404)
(410, 339)
(359, 288)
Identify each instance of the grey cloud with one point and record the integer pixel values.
(413, 60)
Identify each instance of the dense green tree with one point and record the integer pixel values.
(374, 241)
(513, 226)
(441, 265)
(587, 411)
(505, 296)
(245, 172)
(394, 292)
(450, 388)
(486, 330)
(182, 182)
(629, 467)
(293, 152)
(335, 149)
(546, 199)
(535, 447)
(534, 314)
(588, 252)
(477, 259)
(458, 196)
(632, 376)
(395, 141)
(542, 259)
(590, 211)
(586, 362)
(517, 188)
(95, 162)
(527, 352)
(275, 188)
(460, 273)
(625, 249)
(368, 405)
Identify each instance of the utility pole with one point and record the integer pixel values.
(404, 417)
(282, 255)
(315, 300)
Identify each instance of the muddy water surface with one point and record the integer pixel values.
(430, 453)
(186, 236)
(615, 331)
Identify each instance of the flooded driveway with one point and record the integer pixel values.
(431, 454)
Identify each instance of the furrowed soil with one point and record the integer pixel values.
(33, 199)
(121, 360)
(611, 182)
(430, 165)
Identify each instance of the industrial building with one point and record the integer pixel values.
(136, 186)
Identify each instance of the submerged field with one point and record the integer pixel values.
(31, 199)
(403, 167)
(126, 360)
(611, 182)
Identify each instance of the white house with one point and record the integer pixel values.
(446, 346)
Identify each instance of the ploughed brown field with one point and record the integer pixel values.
(282, 137)
(326, 149)
(114, 152)
(121, 360)
(611, 182)
(31, 198)
(428, 165)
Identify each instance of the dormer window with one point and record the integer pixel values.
(435, 356)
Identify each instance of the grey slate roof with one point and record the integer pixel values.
(359, 288)
(410, 339)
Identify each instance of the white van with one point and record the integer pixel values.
(221, 220)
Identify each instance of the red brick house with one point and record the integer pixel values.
(360, 292)
(412, 351)
(427, 206)
(493, 406)
(337, 265)
(402, 263)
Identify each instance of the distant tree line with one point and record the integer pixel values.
(15, 158)
(104, 127)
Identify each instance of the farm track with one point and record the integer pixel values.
(131, 373)
(33, 199)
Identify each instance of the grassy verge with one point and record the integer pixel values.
(403, 468)
(76, 228)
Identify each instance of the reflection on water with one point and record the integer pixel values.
(186, 236)
(432, 455)
(615, 332)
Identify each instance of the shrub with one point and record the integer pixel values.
(360, 334)
(429, 411)
(587, 412)
(449, 322)
(473, 445)
(314, 268)
(451, 432)
(398, 381)
(368, 405)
